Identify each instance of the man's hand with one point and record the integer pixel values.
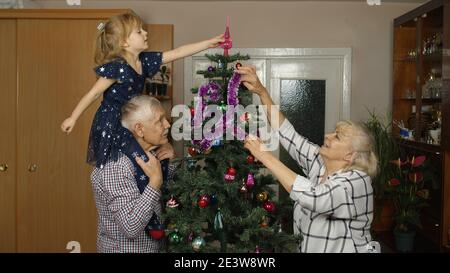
(152, 169)
(165, 151)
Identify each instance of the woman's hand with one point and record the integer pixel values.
(68, 124)
(254, 145)
(215, 41)
(251, 80)
(165, 151)
(152, 169)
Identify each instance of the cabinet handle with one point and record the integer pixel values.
(32, 168)
(3, 167)
(436, 225)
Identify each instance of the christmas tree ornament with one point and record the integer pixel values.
(244, 117)
(229, 178)
(191, 236)
(191, 163)
(269, 206)
(192, 110)
(223, 107)
(220, 64)
(238, 65)
(228, 43)
(218, 221)
(216, 142)
(265, 222)
(174, 237)
(243, 188)
(257, 249)
(203, 201)
(250, 159)
(250, 181)
(198, 243)
(231, 171)
(211, 69)
(230, 175)
(156, 231)
(192, 151)
(172, 202)
(213, 200)
(262, 196)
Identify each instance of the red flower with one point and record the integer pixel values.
(416, 162)
(394, 182)
(424, 193)
(398, 163)
(415, 177)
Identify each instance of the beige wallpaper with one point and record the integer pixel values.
(366, 29)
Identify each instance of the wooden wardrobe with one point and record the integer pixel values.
(46, 66)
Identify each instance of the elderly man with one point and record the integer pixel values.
(127, 190)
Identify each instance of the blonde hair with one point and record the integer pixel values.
(363, 145)
(138, 109)
(112, 35)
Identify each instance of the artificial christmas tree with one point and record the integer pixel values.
(223, 202)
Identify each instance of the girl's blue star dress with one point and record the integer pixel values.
(105, 139)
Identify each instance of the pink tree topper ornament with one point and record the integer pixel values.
(228, 43)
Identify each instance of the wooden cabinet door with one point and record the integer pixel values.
(160, 38)
(55, 202)
(8, 165)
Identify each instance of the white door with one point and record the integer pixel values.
(275, 65)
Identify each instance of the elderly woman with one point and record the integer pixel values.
(127, 191)
(333, 207)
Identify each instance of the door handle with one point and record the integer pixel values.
(32, 168)
(3, 167)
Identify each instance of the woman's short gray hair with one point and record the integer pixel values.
(138, 109)
(363, 144)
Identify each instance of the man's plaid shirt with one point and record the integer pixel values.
(123, 212)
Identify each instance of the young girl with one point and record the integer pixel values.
(123, 67)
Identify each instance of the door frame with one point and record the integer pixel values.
(269, 54)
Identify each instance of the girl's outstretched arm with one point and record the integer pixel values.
(99, 87)
(190, 49)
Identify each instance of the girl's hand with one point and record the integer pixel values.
(215, 41)
(253, 144)
(152, 169)
(68, 125)
(166, 151)
(251, 80)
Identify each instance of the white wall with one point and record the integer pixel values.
(366, 29)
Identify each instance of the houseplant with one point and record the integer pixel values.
(385, 149)
(409, 197)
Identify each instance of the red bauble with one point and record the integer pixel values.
(269, 206)
(157, 233)
(192, 151)
(192, 112)
(250, 159)
(203, 201)
(231, 171)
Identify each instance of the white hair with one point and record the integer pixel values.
(138, 109)
(363, 144)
